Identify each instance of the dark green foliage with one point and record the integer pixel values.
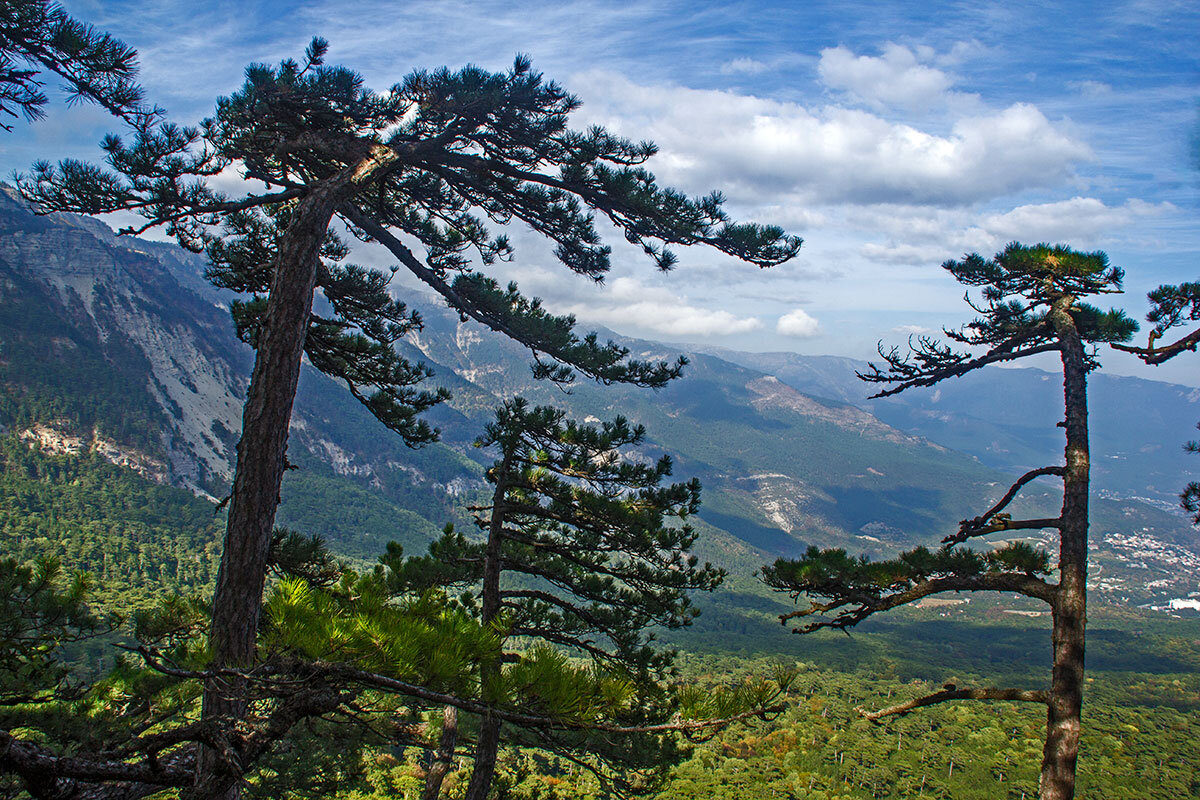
(588, 524)
(352, 338)
(137, 538)
(40, 611)
(1019, 286)
(294, 555)
(39, 35)
(469, 147)
(1174, 305)
(838, 579)
(583, 551)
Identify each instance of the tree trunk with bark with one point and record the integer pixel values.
(488, 744)
(261, 462)
(443, 758)
(1063, 717)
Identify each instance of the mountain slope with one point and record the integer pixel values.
(118, 348)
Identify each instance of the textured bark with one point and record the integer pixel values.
(261, 460)
(1070, 604)
(488, 744)
(444, 757)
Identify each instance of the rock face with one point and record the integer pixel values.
(167, 349)
(60, 442)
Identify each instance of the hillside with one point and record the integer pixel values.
(118, 348)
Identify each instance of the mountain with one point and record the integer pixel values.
(1137, 426)
(116, 351)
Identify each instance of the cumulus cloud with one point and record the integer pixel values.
(897, 78)
(629, 302)
(754, 147)
(1083, 221)
(798, 323)
(929, 236)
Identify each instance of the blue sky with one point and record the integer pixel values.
(890, 138)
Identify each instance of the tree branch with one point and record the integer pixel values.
(949, 694)
(953, 371)
(969, 528)
(1157, 355)
(42, 767)
(868, 604)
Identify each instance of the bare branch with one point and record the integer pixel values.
(992, 520)
(1157, 355)
(956, 370)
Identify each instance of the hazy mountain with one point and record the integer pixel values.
(119, 347)
(1006, 417)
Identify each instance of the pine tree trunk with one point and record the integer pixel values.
(488, 744)
(444, 756)
(1063, 721)
(261, 460)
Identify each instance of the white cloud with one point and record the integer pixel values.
(911, 330)
(923, 236)
(628, 302)
(1080, 221)
(743, 66)
(755, 148)
(1091, 89)
(897, 78)
(798, 323)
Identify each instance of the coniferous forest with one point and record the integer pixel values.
(302, 495)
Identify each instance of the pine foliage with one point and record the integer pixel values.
(37, 35)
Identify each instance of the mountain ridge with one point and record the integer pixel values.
(783, 469)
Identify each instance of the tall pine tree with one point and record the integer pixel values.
(426, 165)
(587, 550)
(1031, 305)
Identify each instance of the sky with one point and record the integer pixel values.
(890, 137)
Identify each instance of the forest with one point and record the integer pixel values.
(547, 642)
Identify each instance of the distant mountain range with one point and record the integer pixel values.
(120, 347)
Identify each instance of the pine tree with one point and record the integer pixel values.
(1031, 305)
(427, 162)
(1172, 306)
(39, 614)
(38, 35)
(585, 549)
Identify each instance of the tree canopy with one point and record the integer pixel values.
(423, 166)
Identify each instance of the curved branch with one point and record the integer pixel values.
(949, 694)
(866, 605)
(966, 526)
(979, 526)
(956, 370)
(1157, 355)
(42, 767)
